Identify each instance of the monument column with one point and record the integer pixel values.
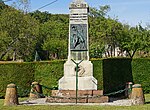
(78, 49)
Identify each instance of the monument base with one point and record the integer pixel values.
(84, 83)
(84, 96)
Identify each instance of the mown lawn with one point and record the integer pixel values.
(48, 107)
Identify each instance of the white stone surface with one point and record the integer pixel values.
(86, 70)
(84, 83)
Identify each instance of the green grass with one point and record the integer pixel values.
(48, 107)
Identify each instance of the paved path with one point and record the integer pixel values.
(42, 101)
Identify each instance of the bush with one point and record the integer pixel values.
(48, 74)
(20, 74)
(116, 72)
(98, 72)
(112, 74)
(141, 73)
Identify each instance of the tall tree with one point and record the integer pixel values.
(103, 32)
(101, 12)
(134, 39)
(53, 28)
(22, 5)
(41, 16)
(55, 35)
(18, 34)
(97, 21)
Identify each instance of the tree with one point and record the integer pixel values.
(56, 47)
(55, 34)
(101, 12)
(96, 37)
(1, 2)
(53, 27)
(96, 23)
(103, 32)
(18, 35)
(134, 39)
(42, 17)
(22, 5)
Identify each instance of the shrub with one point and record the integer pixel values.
(98, 72)
(141, 73)
(116, 72)
(20, 74)
(48, 74)
(112, 74)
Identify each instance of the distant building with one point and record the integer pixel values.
(114, 52)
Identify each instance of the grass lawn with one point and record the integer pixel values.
(48, 107)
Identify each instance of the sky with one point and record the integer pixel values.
(130, 12)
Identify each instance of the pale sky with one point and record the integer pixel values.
(131, 12)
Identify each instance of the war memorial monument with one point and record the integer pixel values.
(78, 50)
(78, 81)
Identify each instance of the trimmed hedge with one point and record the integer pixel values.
(98, 72)
(141, 73)
(112, 74)
(48, 74)
(116, 72)
(21, 74)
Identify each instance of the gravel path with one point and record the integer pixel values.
(42, 101)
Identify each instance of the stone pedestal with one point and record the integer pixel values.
(86, 81)
(102, 99)
(84, 96)
(72, 93)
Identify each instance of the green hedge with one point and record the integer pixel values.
(116, 72)
(141, 73)
(48, 74)
(22, 74)
(98, 72)
(112, 74)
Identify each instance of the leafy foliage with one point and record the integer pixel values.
(134, 39)
(101, 12)
(20, 74)
(19, 34)
(42, 17)
(98, 72)
(55, 34)
(116, 73)
(112, 74)
(48, 74)
(22, 34)
(141, 70)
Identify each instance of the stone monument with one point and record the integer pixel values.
(78, 83)
(78, 49)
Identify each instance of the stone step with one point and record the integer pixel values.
(101, 99)
(72, 93)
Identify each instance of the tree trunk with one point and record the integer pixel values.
(133, 53)
(8, 49)
(14, 56)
